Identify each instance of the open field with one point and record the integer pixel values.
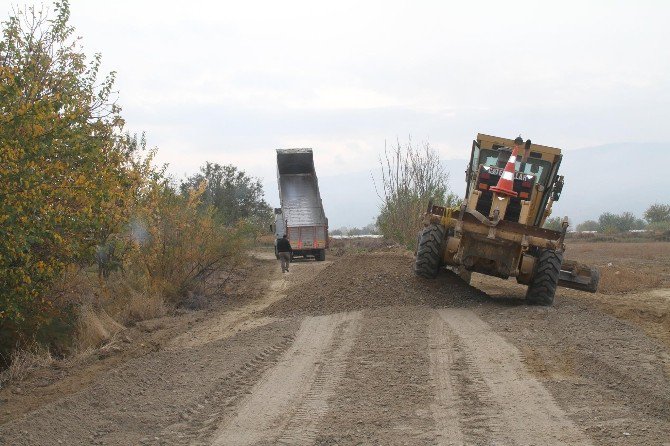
(626, 267)
(357, 350)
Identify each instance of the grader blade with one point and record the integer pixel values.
(578, 276)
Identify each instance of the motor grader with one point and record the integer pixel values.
(498, 228)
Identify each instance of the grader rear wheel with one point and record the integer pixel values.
(542, 287)
(429, 252)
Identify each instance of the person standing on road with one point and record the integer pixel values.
(284, 250)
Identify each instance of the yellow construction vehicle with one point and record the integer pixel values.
(497, 230)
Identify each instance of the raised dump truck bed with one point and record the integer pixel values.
(301, 215)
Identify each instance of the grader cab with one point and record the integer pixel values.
(497, 230)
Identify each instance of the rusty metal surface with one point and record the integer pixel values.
(494, 257)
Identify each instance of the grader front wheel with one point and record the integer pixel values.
(429, 251)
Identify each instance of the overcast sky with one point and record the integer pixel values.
(229, 82)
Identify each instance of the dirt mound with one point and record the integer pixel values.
(621, 279)
(369, 280)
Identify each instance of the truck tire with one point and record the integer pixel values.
(320, 255)
(542, 287)
(429, 252)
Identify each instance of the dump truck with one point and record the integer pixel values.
(301, 216)
(511, 186)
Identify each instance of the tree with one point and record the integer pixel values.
(371, 229)
(355, 231)
(410, 177)
(235, 195)
(657, 213)
(553, 223)
(639, 224)
(588, 225)
(612, 223)
(63, 179)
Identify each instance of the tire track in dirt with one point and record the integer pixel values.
(302, 428)
(287, 403)
(520, 409)
(462, 408)
(445, 408)
(232, 321)
(465, 412)
(385, 394)
(198, 421)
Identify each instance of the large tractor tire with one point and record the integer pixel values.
(429, 251)
(542, 287)
(320, 255)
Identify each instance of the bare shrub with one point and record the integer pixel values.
(23, 362)
(411, 176)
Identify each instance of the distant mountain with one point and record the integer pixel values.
(614, 178)
(609, 178)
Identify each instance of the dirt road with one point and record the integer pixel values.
(359, 351)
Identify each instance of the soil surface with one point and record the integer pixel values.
(357, 350)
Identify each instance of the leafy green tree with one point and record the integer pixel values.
(612, 223)
(657, 212)
(355, 231)
(628, 221)
(235, 195)
(63, 182)
(608, 222)
(554, 223)
(639, 224)
(588, 225)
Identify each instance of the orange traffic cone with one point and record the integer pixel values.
(505, 184)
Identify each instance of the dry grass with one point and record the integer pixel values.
(96, 327)
(341, 246)
(266, 240)
(143, 306)
(23, 362)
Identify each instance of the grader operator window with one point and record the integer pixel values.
(533, 166)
